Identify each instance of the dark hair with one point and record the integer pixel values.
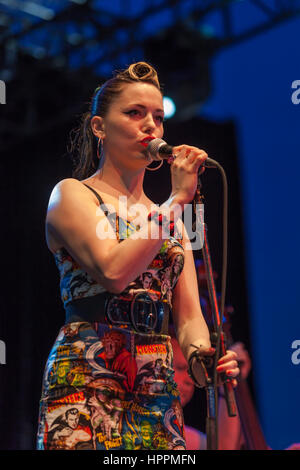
(72, 411)
(82, 140)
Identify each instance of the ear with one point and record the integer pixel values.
(97, 125)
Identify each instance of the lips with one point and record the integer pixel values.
(146, 140)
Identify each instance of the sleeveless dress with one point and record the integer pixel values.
(109, 381)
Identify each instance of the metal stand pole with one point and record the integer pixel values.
(217, 340)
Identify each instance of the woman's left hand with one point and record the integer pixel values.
(228, 364)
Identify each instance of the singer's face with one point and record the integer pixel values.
(135, 115)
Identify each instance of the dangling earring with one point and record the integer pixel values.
(155, 168)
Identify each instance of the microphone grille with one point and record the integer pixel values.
(153, 148)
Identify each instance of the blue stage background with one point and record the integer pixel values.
(253, 86)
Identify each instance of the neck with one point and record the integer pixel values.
(128, 182)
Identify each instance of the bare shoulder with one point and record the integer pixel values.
(66, 192)
(68, 197)
(64, 188)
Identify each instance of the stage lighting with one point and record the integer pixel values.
(182, 56)
(169, 107)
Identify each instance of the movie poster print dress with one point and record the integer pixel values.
(109, 387)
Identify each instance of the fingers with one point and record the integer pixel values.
(196, 158)
(231, 369)
(205, 351)
(228, 364)
(189, 157)
(243, 358)
(229, 356)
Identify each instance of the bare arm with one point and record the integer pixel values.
(73, 217)
(188, 318)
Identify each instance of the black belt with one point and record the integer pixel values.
(141, 313)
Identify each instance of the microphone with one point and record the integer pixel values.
(160, 150)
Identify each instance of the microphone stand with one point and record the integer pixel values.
(217, 336)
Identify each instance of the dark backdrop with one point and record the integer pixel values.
(31, 310)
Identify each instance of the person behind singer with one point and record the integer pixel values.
(115, 333)
(230, 428)
(230, 433)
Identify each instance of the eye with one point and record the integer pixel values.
(132, 112)
(160, 118)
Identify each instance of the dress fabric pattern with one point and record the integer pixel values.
(108, 386)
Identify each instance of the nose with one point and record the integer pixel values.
(149, 124)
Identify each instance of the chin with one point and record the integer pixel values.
(144, 155)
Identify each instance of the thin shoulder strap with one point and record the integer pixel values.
(106, 211)
(103, 206)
